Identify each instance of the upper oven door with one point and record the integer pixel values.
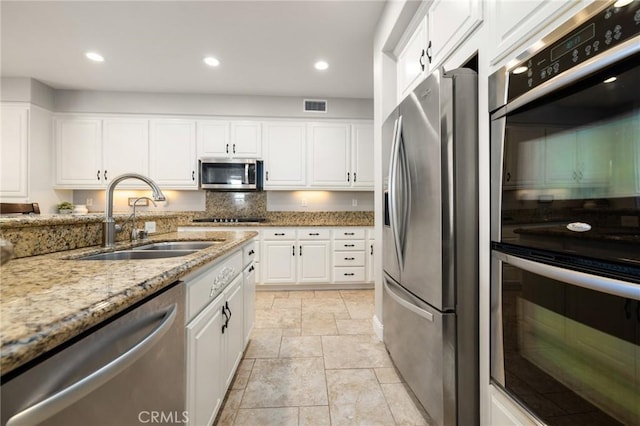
(228, 174)
(566, 165)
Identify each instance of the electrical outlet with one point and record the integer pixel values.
(89, 202)
(150, 227)
(303, 202)
(354, 202)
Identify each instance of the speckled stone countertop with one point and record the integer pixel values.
(48, 299)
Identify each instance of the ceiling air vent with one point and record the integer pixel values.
(315, 105)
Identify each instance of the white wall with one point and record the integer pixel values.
(316, 201)
(201, 104)
(176, 200)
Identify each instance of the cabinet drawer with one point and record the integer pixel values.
(348, 274)
(349, 234)
(347, 245)
(347, 258)
(313, 234)
(249, 253)
(279, 234)
(204, 285)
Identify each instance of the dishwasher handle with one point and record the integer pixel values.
(55, 403)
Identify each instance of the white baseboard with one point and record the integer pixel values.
(377, 327)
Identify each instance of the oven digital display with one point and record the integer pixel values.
(574, 41)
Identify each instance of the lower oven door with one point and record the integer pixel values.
(565, 344)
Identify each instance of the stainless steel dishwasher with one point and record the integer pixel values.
(127, 371)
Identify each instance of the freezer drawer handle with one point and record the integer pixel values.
(413, 308)
(47, 408)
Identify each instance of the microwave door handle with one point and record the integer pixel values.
(246, 173)
(394, 189)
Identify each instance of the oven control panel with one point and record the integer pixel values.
(603, 31)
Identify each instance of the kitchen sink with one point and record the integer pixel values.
(136, 254)
(179, 245)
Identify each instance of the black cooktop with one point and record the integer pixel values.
(230, 219)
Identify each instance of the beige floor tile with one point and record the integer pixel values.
(314, 416)
(264, 343)
(355, 398)
(404, 410)
(359, 310)
(287, 304)
(230, 408)
(291, 331)
(387, 375)
(354, 326)
(302, 294)
(287, 416)
(264, 303)
(358, 295)
(242, 374)
(301, 347)
(325, 306)
(260, 294)
(354, 352)
(281, 294)
(286, 382)
(328, 294)
(277, 318)
(319, 324)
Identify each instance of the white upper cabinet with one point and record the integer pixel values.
(213, 138)
(284, 155)
(172, 152)
(14, 148)
(362, 155)
(125, 149)
(514, 22)
(412, 61)
(79, 152)
(449, 23)
(246, 139)
(329, 153)
(229, 139)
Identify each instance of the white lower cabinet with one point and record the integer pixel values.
(279, 262)
(349, 255)
(215, 333)
(314, 256)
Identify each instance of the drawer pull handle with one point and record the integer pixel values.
(279, 234)
(371, 248)
(251, 252)
(349, 258)
(349, 245)
(349, 233)
(300, 250)
(314, 233)
(349, 274)
(251, 269)
(226, 319)
(293, 250)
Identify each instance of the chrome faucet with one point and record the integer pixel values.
(134, 229)
(109, 228)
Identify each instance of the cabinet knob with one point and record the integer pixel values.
(348, 177)
(105, 175)
(267, 175)
(98, 175)
(354, 177)
(193, 175)
(227, 148)
(234, 148)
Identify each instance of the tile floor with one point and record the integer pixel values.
(313, 360)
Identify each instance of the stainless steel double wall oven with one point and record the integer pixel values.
(565, 135)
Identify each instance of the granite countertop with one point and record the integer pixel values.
(48, 299)
(27, 220)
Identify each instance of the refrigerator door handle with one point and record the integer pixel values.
(404, 302)
(393, 190)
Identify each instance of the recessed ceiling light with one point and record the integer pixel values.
(211, 61)
(520, 70)
(610, 79)
(622, 3)
(321, 65)
(96, 57)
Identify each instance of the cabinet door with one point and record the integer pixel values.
(449, 23)
(362, 155)
(412, 65)
(329, 155)
(125, 149)
(246, 139)
(213, 138)
(173, 153)
(560, 158)
(205, 389)
(284, 155)
(79, 152)
(278, 262)
(14, 146)
(249, 292)
(314, 261)
(234, 330)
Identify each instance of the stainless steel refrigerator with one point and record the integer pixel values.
(430, 243)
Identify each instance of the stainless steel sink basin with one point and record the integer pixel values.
(136, 254)
(178, 245)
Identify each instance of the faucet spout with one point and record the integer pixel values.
(109, 224)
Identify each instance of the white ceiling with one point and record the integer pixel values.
(265, 47)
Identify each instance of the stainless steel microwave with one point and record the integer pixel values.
(231, 175)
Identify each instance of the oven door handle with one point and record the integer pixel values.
(69, 395)
(581, 279)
